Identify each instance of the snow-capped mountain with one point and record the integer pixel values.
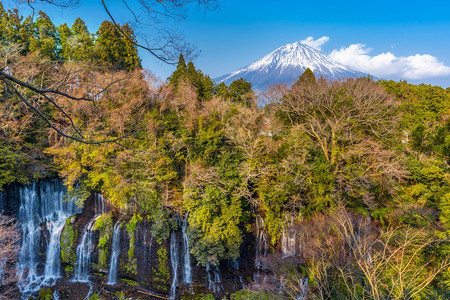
(286, 64)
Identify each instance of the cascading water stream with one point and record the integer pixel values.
(303, 289)
(115, 252)
(84, 251)
(288, 242)
(31, 234)
(211, 284)
(214, 278)
(100, 204)
(53, 259)
(174, 263)
(55, 295)
(262, 240)
(241, 282)
(238, 281)
(217, 279)
(262, 246)
(187, 269)
(86, 246)
(2, 201)
(42, 205)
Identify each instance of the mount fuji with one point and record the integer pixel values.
(286, 64)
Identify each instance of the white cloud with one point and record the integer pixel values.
(387, 65)
(316, 44)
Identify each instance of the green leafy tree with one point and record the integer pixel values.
(239, 91)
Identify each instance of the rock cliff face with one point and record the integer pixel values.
(75, 250)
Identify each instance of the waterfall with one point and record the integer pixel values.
(288, 244)
(145, 243)
(211, 284)
(2, 270)
(150, 248)
(55, 295)
(262, 239)
(53, 259)
(233, 264)
(86, 246)
(262, 246)
(242, 282)
(187, 269)
(31, 234)
(239, 284)
(99, 204)
(2, 201)
(214, 278)
(84, 251)
(174, 263)
(303, 290)
(115, 252)
(42, 206)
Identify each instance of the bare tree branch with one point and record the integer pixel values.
(41, 91)
(46, 119)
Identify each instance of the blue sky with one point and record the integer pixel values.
(390, 39)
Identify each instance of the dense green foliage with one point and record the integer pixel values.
(107, 47)
(11, 166)
(376, 151)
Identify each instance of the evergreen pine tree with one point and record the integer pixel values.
(240, 91)
(178, 73)
(113, 49)
(45, 38)
(307, 77)
(202, 83)
(81, 45)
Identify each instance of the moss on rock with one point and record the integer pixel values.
(104, 225)
(69, 238)
(161, 274)
(131, 227)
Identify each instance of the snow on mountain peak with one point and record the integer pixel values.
(286, 64)
(295, 54)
